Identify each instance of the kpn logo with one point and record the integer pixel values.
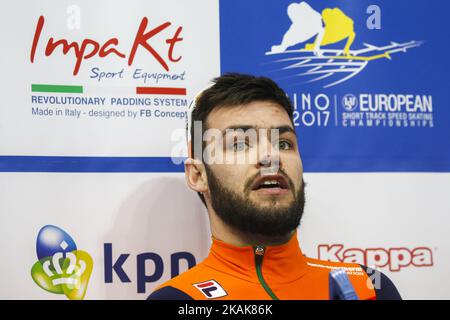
(61, 268)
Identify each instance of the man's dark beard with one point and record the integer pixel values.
(242, 214)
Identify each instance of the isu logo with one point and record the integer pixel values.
(393, 258)
(349, 102)
(211, 289)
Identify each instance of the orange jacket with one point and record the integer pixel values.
(270, 272)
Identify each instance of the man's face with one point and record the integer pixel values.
(263, 194)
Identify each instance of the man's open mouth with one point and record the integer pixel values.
(269, 183)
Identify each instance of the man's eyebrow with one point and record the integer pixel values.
(237, 127)
(281, 129)
(284, 129)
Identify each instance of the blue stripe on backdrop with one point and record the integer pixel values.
(89, 164)
(165, 164)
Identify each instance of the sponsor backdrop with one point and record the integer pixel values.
(94, 98)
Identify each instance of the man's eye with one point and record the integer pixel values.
(285, 145)
(240, 146)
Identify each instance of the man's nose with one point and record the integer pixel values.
(269, 160)
(269, 156)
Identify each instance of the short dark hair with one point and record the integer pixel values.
(233, 89)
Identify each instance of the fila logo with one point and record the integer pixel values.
(211, 289)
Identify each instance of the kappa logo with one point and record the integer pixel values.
(320, 59)
(393, 258)
(211, 289)
(61, 268)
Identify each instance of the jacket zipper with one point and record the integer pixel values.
(259, 256)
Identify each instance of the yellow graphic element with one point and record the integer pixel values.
(338, 27)
(368, 58)
(69, 276)
(77, 291)
(329, 27)
(314, 32)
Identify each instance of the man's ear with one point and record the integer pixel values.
(195, 175)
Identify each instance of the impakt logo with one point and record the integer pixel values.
(61, 268)
(90, 48)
